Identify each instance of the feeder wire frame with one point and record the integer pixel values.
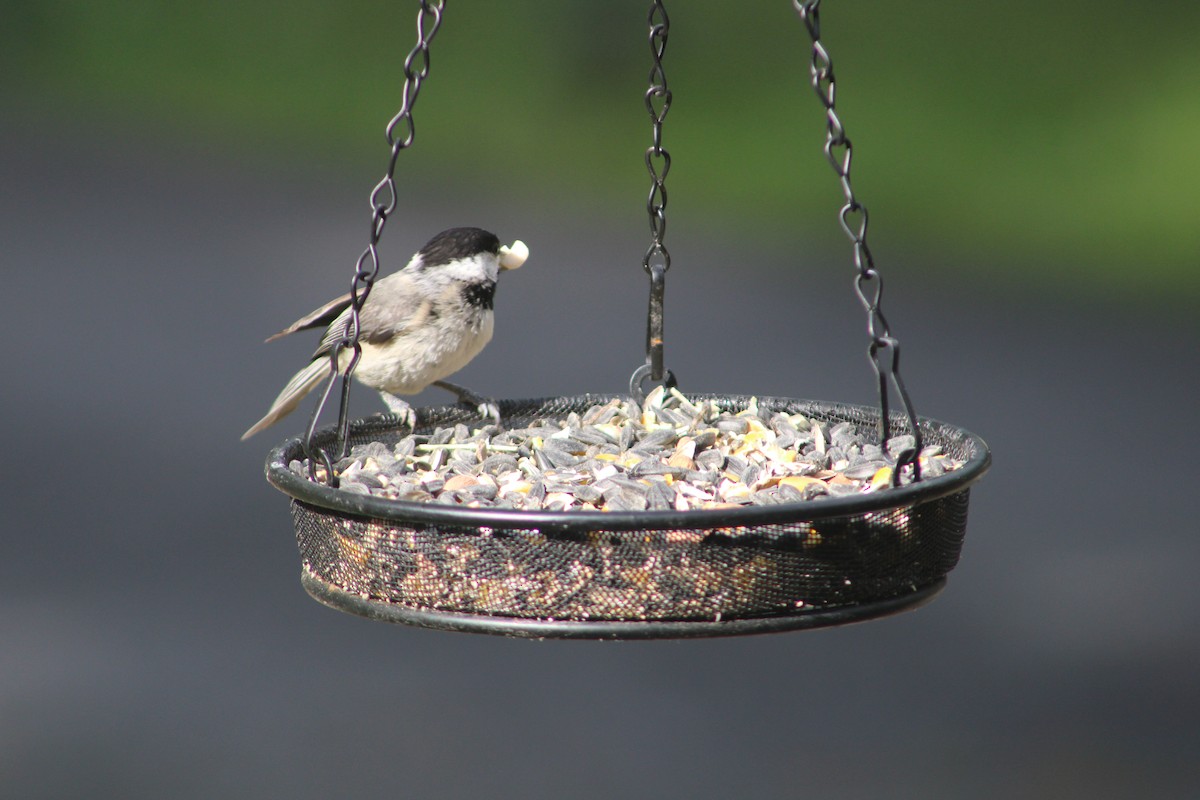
(884, 349)
(581, 574)
(400, 132)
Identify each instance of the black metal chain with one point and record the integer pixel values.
(658, 163)
(400, 133)
(884, 349)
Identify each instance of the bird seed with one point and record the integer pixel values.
(668, 453)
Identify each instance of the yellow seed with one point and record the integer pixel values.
(882, 478)
(753, 438)
(779, 454)
(758, 430)
(745, 450)
(610, 430)
(629, 459)
(737, 491)
(798, 482)
(766, 482)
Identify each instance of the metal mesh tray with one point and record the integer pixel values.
(647, 574)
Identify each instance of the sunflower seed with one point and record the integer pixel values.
(624, 500)
(844, 435)
(898, 444)
(670, 453)
(587, 493)
(656, 439)
(712, 459)
(736, 425)
(865, 470)
(661, 497)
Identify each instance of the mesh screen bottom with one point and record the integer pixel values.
(636, 575)
(656, 573)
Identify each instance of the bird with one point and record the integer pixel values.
(417, 326)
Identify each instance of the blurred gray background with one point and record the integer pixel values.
(176, 183)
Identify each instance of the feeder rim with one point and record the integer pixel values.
(435, 514)
(613, 630)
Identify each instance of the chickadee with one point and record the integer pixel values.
(417, 326)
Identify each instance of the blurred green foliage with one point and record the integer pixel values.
(1052, 141)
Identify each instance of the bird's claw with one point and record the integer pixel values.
(406, 413)
(488, 409)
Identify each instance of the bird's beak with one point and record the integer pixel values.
(514, 255)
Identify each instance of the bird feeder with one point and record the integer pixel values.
(722, 570)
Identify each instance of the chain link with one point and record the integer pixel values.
(884, 349)
(658, 163)
(400, 133)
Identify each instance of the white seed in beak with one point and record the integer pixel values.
(514, 255)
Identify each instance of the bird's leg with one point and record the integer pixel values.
(488, 409)
(401, 409)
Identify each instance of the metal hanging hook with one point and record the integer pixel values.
(657, 260)
(400, 133)
(884, 349)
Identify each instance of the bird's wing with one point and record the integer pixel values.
(391, 308)
(321, 317)
(335, 332)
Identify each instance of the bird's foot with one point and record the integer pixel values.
(488, 409)
(408, 416)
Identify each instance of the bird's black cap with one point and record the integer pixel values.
(458, 243)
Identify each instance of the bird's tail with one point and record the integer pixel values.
(300, 385)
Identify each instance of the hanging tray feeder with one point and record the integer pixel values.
(632, 574)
